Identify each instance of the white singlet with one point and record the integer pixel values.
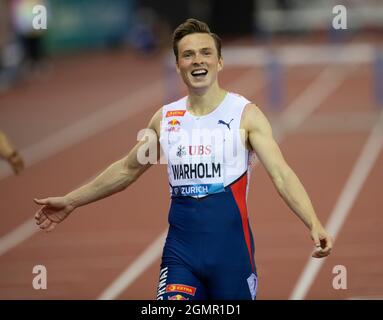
(205, 153)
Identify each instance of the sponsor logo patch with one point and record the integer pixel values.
(181, 151)
(177, 297)
(175, 113)
(174, 122)
(227, 124)
(173, 125)
(181, 288)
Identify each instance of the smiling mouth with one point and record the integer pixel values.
(199, 73)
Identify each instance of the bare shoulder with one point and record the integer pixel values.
(253, 118)
(155, 121)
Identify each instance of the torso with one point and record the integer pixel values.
(205, 153)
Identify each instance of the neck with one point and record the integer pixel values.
(201, 103)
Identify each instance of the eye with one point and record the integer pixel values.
(206, 52)
(187, 54)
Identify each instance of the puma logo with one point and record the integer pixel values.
(225, 123)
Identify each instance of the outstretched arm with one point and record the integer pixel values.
(117, 177)
(285, 180)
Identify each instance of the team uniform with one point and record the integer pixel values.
(209, 249)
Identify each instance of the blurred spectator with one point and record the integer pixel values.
(30, 38)
(143, 38)
(20, 44)
(150, 32)
(10, 154)
(9, 55)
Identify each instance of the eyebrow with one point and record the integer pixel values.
(202, 49)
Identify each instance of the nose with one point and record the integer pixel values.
(198, 59)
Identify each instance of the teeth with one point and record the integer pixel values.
(199, 72)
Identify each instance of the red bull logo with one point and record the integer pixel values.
(174, 122)
(177, 297)
(173, 125)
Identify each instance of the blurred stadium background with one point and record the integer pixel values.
(73, 97)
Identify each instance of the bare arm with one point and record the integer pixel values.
(117, 177)
(284, 179)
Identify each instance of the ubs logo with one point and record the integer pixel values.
(181, 151)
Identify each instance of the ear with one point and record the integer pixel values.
(177, 68)
(220, 64)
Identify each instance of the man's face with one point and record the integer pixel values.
(198, 62)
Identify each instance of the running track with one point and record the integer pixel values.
(104, 99)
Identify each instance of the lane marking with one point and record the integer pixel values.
(337, 122)
(17, 235)
(350, 192)
(140, 264)
(305, 104)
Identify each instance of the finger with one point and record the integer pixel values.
(41, 219)
(321, 253)
(317, 254)
(327, 250)
(18, 168)
(41, 201)
(45, 224)
(326, 243)
(40, 216)
(20, 165)
(316, 239)
(51, 227)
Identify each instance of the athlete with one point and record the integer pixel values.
(207, 138)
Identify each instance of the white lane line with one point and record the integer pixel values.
(353, 186)
(111, 115)
(311, 98)
(144, 261)
(17, 235)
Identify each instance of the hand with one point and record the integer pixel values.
(16, 162)
(54, 211)
(323, 242)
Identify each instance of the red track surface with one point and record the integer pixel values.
(85, 254)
